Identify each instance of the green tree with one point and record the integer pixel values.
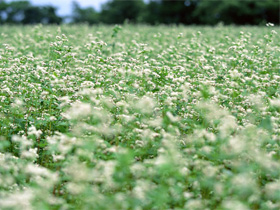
(237, 12)
(270, 10)
(15, 11)
(32, 15)
(174, 11)
(50, 15)
(207, 12)
(86, 15)
(171, 11)
(3, 8)
(117, 11)
(151, 14)
(22, 12)
(46, 15)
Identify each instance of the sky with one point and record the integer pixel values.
(65, 6)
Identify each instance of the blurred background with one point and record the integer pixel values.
(188, 12)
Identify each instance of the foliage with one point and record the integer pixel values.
(139, 117)
(117, 11)
(87, 15)
(237, 12)
(23, 12)
(189, 12)
(169, 12)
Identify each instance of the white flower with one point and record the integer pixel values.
(171, 117)
(78, 110)
(233, 205)
(52, 118)
(33, 131)
(18, 200)
(37, 170)
(272, 190)
(275, 103)
(145, 105)
(269, 24)
(30, 154)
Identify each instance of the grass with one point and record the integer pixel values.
(139, 117)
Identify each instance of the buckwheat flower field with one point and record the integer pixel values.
(139, 118)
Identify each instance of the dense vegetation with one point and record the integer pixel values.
(139, 117)
(239, 12)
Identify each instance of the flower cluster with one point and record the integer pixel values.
(150, 118)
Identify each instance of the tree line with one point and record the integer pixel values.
(199, 12)
(23, 12)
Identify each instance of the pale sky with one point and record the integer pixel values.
(64, 7)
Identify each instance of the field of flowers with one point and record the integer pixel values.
(139, 117)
